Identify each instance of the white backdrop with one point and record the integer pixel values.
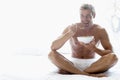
(29, 26)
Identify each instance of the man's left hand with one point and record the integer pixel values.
(91, 45)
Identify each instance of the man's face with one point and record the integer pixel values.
(86, 16)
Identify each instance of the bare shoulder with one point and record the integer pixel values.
(101, 31)
(99, 28)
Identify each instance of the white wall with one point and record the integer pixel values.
(29, 26)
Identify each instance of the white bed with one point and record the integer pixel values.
(40, 68)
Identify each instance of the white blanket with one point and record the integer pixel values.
(40, 68)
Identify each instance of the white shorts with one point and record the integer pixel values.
(82, 64)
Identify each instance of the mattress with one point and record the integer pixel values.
(40, 68)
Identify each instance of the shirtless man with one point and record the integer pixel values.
(81, 50)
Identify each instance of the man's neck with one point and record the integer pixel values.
(88, 26)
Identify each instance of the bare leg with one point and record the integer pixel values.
(62, 63)
(61, 71)
(103, 64)
(67, 66)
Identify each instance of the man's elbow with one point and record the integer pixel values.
(110, 51)
(53, 46)
(107, 52)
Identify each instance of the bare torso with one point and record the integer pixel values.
(81, 51)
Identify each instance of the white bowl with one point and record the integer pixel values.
(85, 39)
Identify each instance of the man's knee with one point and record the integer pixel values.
(113, 58)
(52, 55)
(103, 64)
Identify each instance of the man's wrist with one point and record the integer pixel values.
(95, 49)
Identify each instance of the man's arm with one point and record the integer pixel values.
(105, 43)
(60, 41)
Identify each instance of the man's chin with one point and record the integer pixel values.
(86, 24)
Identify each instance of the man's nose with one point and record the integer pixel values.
(85, 18)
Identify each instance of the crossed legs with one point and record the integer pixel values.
(63, 64)
(103, 64)
(67, 66)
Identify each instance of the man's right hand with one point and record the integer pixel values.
(67, 34)
(72, 29)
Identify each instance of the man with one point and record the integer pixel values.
(81, 50)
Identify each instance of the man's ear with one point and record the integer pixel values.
(94, 15)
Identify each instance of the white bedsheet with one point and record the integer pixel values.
(40, 68)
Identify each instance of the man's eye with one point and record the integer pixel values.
(82, 16)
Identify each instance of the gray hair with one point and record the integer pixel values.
(88, 7)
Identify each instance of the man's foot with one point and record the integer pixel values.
(61, 71)
(98, 75)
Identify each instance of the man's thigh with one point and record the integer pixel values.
(103, 64)
(63, 63)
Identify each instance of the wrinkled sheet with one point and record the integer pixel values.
(40, 68)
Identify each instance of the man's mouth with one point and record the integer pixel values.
(86, 24)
